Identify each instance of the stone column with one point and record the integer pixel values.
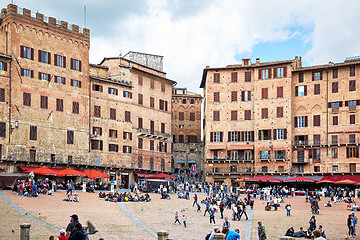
(356, 193)
(162, 235)
(84, 187)
(25, 231)
(219, 236)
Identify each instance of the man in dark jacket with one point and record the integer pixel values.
(73, 221)
(77, 233)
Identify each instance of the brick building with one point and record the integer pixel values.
(186, 130)
(59, 110)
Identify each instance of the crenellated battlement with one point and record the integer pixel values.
(14, 10)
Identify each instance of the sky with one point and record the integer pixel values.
(193, 34)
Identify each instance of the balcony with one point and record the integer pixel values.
(300, 160)
(229, 160)
(265, 157)
(152, 134)
(279, 157)
(239, 171)
(331, 142)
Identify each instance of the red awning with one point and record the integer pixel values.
(27, 168)
(69, 172)
(143, 175)
(42, 171)
(300, 179)
(340, 178)
(93, 174)
(263, 179)
(160, 176)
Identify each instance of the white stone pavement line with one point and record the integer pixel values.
(135, 219)
(248, 227)
(24, 213)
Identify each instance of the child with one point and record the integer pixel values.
(177, 218)
(198, 207)
(184, 220)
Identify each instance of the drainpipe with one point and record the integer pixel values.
(89, 113)
(10, 102)
(327, 112)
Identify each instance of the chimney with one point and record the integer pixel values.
(257, 60)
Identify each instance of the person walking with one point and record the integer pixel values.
(233, 235)
(195, 199)
(261, 231)
(177, 218)
(74, 219)
(184, 220)
(350, 226)
(288, 209)
(221, 208)
(312, 223)
(243, 211)
(354, 220)
(207, 207)
(212, 216)
(77, 233)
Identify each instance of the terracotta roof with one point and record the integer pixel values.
(111, 81)
(329, 65)
(98, 66)
(164, 78)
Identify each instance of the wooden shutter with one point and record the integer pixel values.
(242, 136)
(79, 65)
(234, 96)
(347, 152)
(340, 104)
(321, 75)
(249, 95)
(296, 91)
(247, 76)
(305, 90)
(269, 134)
(70, 137)
(211, 136)
(221, 136)
(39, 75)
(39, 55)
(295, 122)
(166, 106)
(274, 134)
(301, 77)
(33, 133)
(71, 63)
(260, 76)
(234, 77)
(285, 133)
(22, 51)
(2, 94)
(229, 136)
(259, 135)
(55, 58)
(242, 95)
(285, 71)
(4, 66)
(269, 73)
(2, 129)
(32, 54)
(49, 58)
(275, 72)
(313, 76)
(335, 87)
(310, 153)
(64, 62)
(280, 91)
(306, 121)
(252, 133)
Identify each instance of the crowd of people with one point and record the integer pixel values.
(32, 188)
(124, 197)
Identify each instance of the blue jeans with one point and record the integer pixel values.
(21, 192)
(288, 213)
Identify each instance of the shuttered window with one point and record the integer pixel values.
(352, 71)
(2, 129)
(97, 87)
(247, 76)
(192, 116)
(152, 145)
(2, 94)
(317, 75)
(27, 99)
(335, 87)
(112, 113)
(151, 163)
(264, 93)
(279, 91)
(247, 114)
(152, 83)
(75, 64)
(233, 115)
(70, 137)
(216, 116)
(245, 96)
(59, 61)
(301, 77)
(352, 119)
(352, 85)
(3, 66)
(113, 133)
(316, 120)
(140, 99)
(181, 116)
(335, 73)
(264, 113)
(44, 102)
(234, 77)
(59, 105)
(279, 112)
(75, 108)
(234, 96)
(140, 123)
(26, 52)
(44, 57)
(316, 89)
(97, 111)
(152, 102)
(335, 120)
(140, 80)
(163, 127)
(33, 133)
(113, 148)
(216, 97)
(216, 77)
(127, 116)
(140, 143)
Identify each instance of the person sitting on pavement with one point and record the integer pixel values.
(290, 232)
(300, 233)
(309, 234)
(328, 204)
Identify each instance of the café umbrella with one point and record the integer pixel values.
(42, 171)
(93, 174)
(69, 172)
